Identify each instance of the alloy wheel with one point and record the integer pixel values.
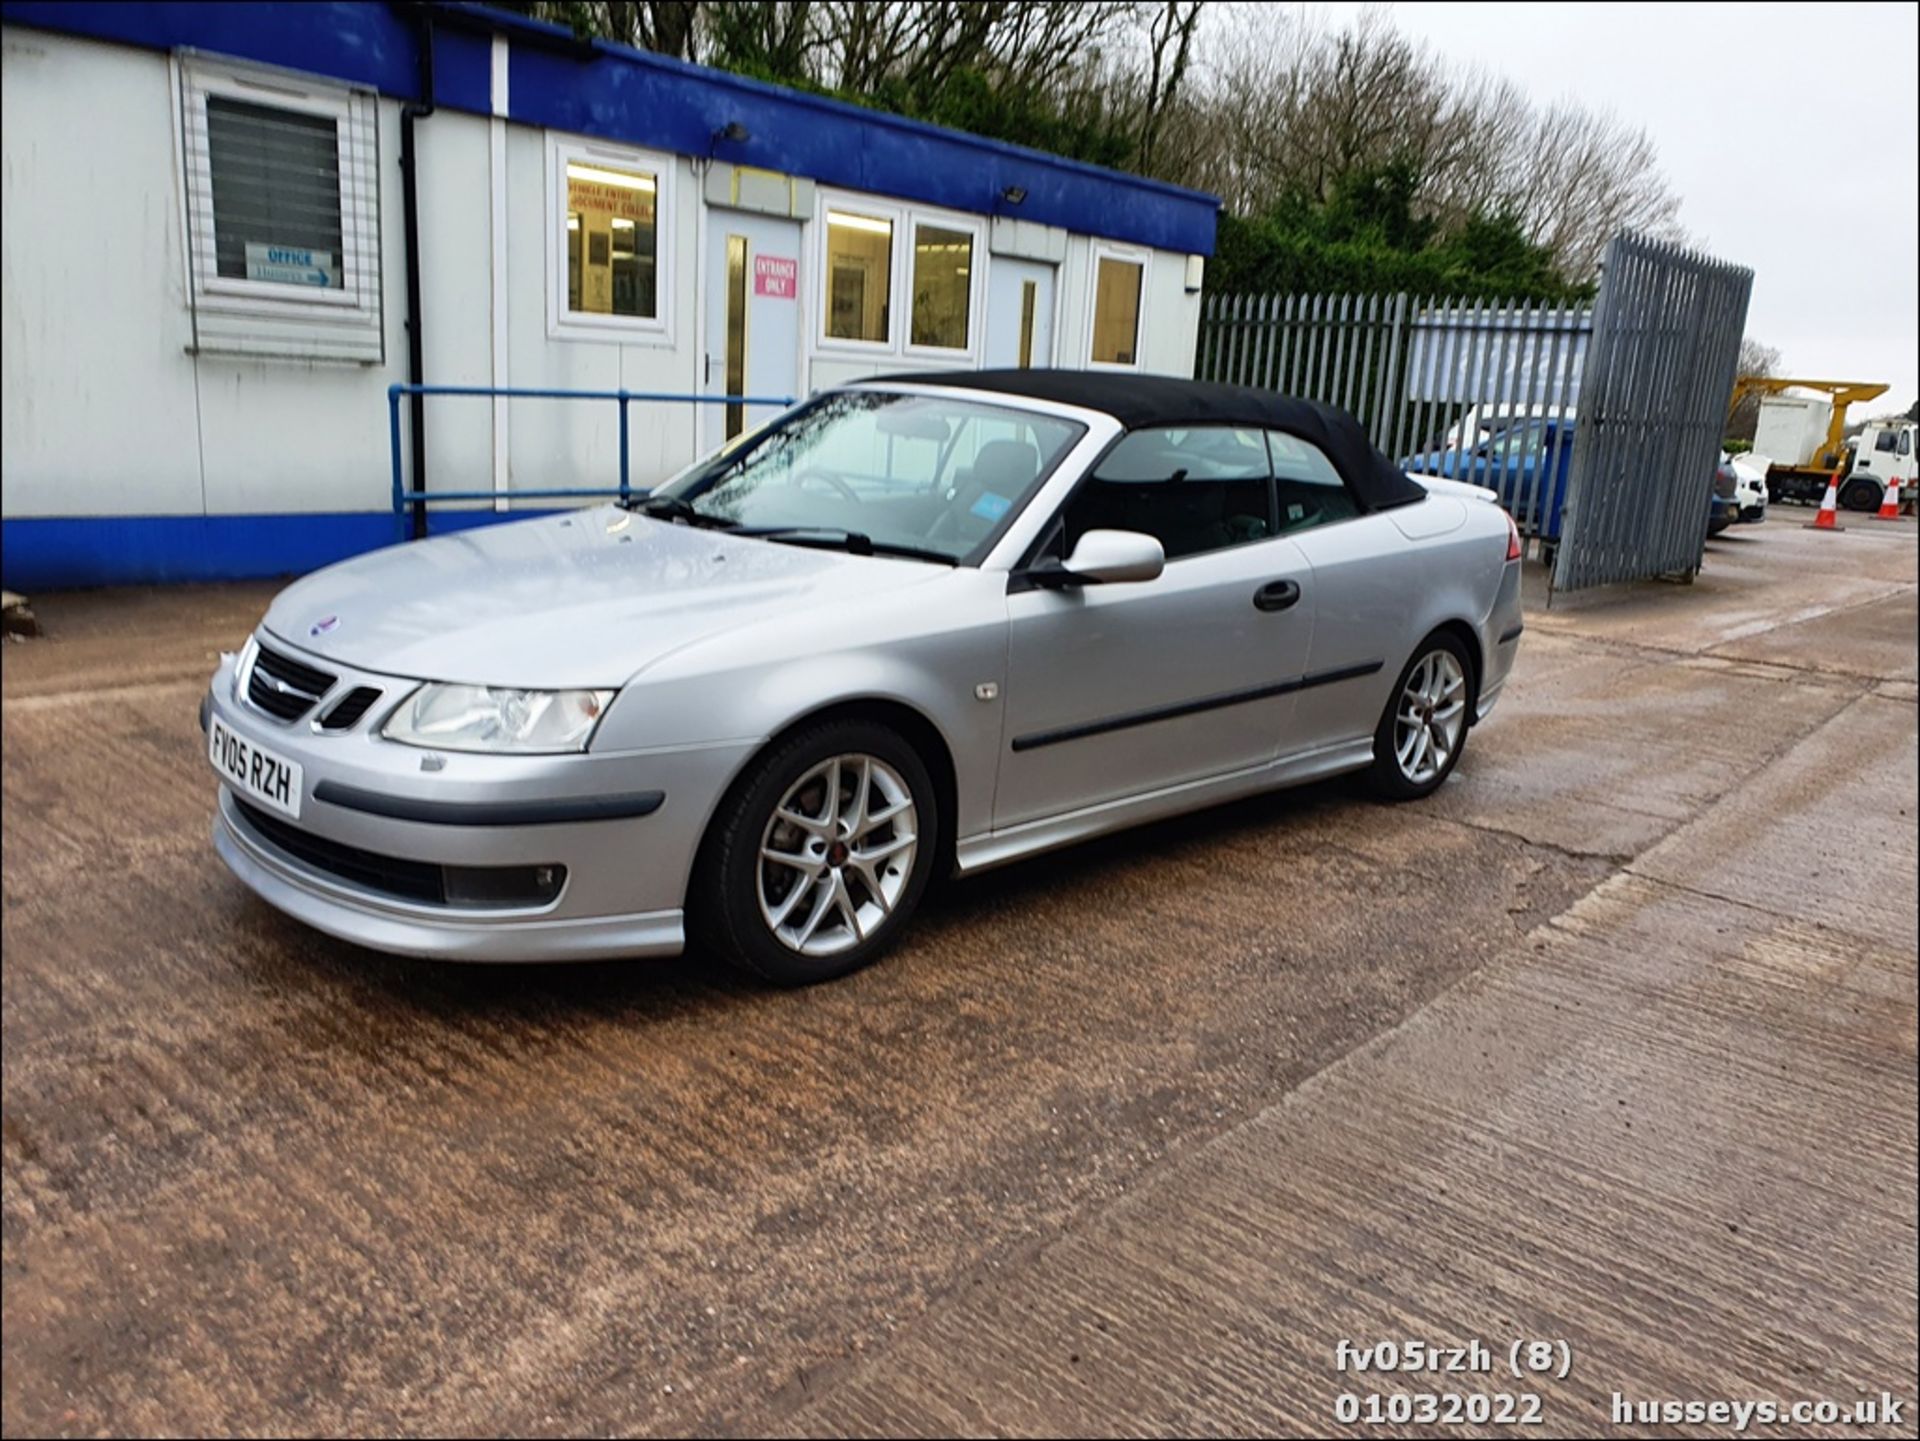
(1432, 715)
(837, 854)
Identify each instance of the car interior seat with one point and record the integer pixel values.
(984, 491)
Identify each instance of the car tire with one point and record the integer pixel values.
(1437, 677)
(1862, 495)
(858, 857)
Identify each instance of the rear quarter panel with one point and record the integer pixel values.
(1382, 584)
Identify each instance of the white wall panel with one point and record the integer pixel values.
(96, 385)
(1173, 326)
(455, 273)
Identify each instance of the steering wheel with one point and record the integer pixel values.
(832, 482)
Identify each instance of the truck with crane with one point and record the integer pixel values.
(1802, 440)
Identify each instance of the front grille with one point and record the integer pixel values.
(346, 712)
(457, 887)
(283, 687)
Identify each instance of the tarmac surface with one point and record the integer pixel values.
(1611, 1042)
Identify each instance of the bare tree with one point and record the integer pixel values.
(771, 38)
(1120, 58)
(1755, 359)
(1581, 177)
(1170, 47)
(1285, 109)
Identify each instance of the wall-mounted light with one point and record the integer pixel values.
(1014, 194)
(734, 131)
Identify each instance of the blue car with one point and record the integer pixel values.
(1524, 463)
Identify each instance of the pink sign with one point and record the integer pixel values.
(776, 277)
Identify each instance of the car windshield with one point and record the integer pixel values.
(928, 474)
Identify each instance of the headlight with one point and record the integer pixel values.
(489, 718)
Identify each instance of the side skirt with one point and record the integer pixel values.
(997, 848)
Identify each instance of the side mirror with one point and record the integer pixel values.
(1106, 557)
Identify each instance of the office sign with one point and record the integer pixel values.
(290, 265)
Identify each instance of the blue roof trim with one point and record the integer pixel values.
(654, 105)
(362, 44)
(621, 94)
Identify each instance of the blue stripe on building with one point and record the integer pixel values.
(45, 552)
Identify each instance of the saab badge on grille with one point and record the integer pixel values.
(324, 625)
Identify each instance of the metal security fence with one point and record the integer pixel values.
(1659, 369)
(1483, 391)
(1596, 426)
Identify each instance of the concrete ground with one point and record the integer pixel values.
(1610, 1042)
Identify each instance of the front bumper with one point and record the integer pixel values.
(626, 865)
(340, 910)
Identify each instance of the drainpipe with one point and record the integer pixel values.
(410, 203)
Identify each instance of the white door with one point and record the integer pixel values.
(1019, 314)
(753, 319)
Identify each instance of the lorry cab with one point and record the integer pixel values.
(1883, 452)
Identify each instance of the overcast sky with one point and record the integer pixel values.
(1789, 132)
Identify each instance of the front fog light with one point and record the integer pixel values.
(496, 718)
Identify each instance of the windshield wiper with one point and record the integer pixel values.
(672, 507)
(833, 537)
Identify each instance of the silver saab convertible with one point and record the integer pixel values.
(914, 626)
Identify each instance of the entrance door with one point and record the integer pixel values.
(1019, 314)
(753, 319)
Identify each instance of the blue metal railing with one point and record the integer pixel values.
(402, 497)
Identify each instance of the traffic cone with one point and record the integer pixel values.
(1890, 502)
(1829, 517)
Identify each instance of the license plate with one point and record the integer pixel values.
(253, 770)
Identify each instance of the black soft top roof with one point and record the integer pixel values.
(1139, 401)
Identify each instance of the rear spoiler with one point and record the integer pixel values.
(1441, 485)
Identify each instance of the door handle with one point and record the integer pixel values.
(1276, 595)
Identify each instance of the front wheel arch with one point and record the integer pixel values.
(912, 725)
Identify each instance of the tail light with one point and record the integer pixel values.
(1513, 537)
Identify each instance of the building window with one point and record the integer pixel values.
(610, 246)
(275, 178)
(612, 241)
(942, 283)
(1116, 311)
(282, 212)
(859, 276)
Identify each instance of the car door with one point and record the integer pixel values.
(1359, 574)
(1121, 689)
